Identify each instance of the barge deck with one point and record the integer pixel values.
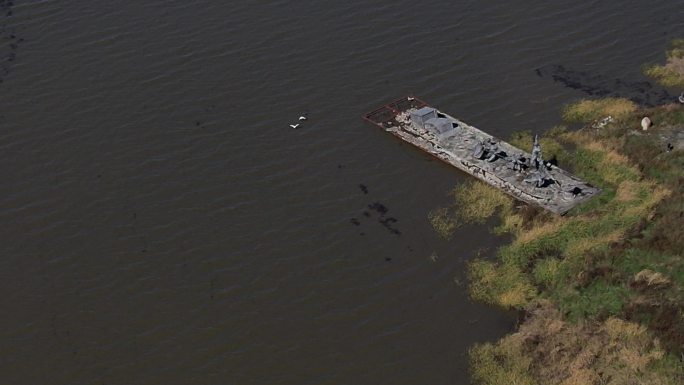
(526, 177)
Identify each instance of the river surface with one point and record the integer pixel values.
(161, 223)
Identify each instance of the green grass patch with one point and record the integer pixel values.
(546, 272)
(635, 260)
(599, 298)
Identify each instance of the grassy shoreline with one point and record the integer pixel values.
(601, 289)
(670, 74)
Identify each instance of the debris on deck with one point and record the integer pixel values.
(524, 176)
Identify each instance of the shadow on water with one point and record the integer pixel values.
(380, 210)
(599, 85)
(9, 41)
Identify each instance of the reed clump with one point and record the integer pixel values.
(443, 222)
(477, 201)
(473, 202)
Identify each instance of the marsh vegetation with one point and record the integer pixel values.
(670, 74)
(601, 289)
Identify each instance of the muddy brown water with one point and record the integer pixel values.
(161, 223)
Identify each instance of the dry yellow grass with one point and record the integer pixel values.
(502, 285)
(618, 329)
(586, 111)
(516, 296)
(609, 154)
(651, 278)
(676, 65)
(582, 377)
(540, 230)
(501, 364)
(580, 246)
(635, 347)
(617, 108)
(670, 75)
(628, 191)
(655, 196)
(615, 352)
(512, 223)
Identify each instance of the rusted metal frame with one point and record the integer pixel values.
(389, 106)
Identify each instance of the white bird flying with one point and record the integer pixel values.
(681, 98)
(302, 118)
(294, 125)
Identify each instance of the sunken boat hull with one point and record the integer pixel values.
(496, 162)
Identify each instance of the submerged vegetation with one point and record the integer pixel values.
(477, 203)
(601, 288)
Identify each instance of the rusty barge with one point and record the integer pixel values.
(526, 177)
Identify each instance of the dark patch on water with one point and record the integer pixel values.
(386, 222)
(378, 207)
(381, 210)
(642, 92)
(7, 34)
(389, 220)
(363, 188)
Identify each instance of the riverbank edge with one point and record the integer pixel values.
(599, 291)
